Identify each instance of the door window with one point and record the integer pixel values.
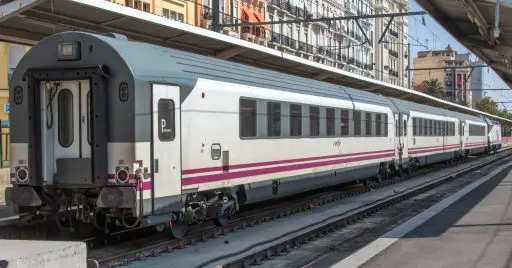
(166, 120)
(65, 117)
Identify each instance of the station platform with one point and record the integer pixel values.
(472, 228)
(42, 254)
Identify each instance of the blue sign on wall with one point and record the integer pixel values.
(7, 108)
(5, 123)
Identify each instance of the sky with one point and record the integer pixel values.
(433, 36)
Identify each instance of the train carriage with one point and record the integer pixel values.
(148, 135)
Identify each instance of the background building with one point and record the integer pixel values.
(455, 82)
(179, 10)
(10, 55)
(391, 56)
(341, 44)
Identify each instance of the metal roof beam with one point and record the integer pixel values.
(322, 76)
(476, 17)
(230, 52)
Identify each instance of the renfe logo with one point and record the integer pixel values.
(162, 127)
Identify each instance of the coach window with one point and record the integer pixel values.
(405, 128)
(378, 124)
(273, 119)
(65, 117)
(247, 118)
(357, 123)
(329, 120)
(420, 126)
(314, 121)
(385, 125)
(414, 125)
(166, 120)
(368, 124)
(344, 123)
(295, 120)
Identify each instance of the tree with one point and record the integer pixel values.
(431, 87)
(487, 105)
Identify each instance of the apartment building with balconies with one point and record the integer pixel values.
(339, 44)
(391, 55)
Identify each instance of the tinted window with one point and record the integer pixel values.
(295, 120)
(386, 125)
(414, 125)
(65, 117)
(166, 129)
(247, 118)
(314, 121)
(344, 122)
(368, 124)
(378, 125)
(357, 123)
(420, 127)
(273, 119)
(329, 121)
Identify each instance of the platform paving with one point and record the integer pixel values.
(42, 254)
(473, 231)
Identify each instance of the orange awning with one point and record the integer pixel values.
(254, 16)
(260, 18)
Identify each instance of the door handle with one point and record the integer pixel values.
(156, 165)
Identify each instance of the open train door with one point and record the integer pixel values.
(166, 149)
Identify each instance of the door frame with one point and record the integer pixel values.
(172, 199)
(98, 79)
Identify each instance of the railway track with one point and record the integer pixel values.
(152, 246)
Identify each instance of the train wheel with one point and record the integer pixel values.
(379, 177)
(177, 229)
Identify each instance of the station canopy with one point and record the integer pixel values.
(28, 21)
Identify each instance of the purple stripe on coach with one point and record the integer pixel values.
(276, 162)
(264, 171)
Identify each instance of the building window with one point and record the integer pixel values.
(173, 15)
(295, 120)
(137, 5)
(127, 3)
(65, 117)
(166, 120)
(146, 7)
(314, 121)
(181, 17)
(329, 112)
(165, 13)
(247, 118)
(273, 119)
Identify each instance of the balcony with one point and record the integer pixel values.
(393, 73)
(291, 9)
(393, 53)
(283, 40)
(393, 33)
